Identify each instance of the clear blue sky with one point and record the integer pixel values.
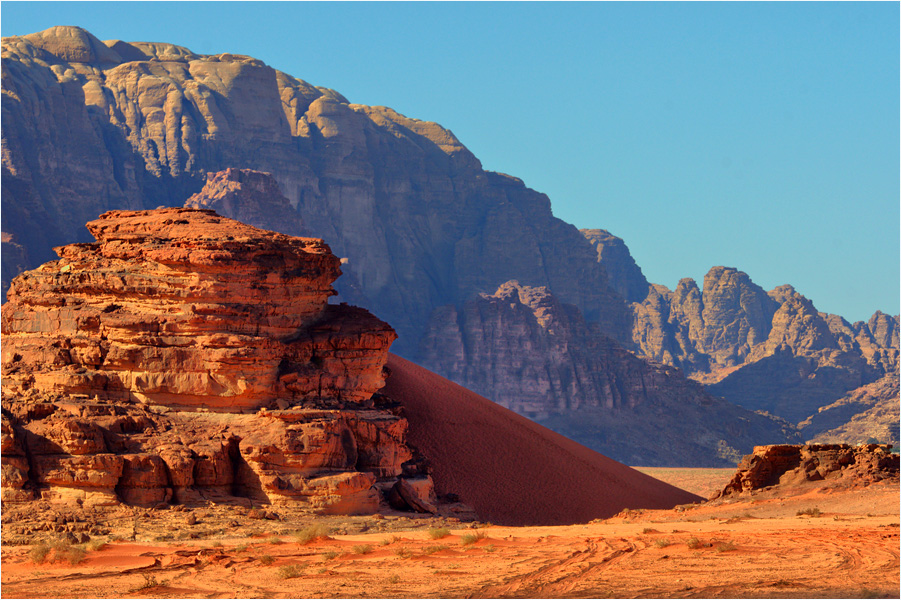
(763, 136)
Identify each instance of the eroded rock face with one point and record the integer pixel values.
(250, 197)
(769, 351)
(538, 357)
(787, 465)
(90, 126)
(623, 275)
(185, 356)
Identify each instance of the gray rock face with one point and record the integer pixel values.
(90, 126)
(624, 276)
(538, 357)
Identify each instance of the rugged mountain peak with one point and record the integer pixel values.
(623, 275)
(250, 197)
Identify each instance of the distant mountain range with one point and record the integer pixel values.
(482, 283)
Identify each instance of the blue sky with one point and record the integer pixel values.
(762, 136)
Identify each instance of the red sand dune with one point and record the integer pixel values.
(510, 470)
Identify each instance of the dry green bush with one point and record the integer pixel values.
(662, 543)
(693, 543)
(472, 538)
(267, 559)
(290, 571)
(311, 533)
(436, 533)
(362, 549)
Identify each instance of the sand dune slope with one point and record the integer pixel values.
(511, 470)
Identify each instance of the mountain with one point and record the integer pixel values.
(423, 232)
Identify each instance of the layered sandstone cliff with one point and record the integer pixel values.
(184, 356)
(540, 358)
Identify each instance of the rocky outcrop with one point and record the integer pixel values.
(540, 358)
(185, 356)
(786, 466)
(623, 275)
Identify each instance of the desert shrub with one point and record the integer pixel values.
(389, 541)
(74, 554)
(96, 545)
(434, 549)
(490, 548)
(39, 552)
(329, 555)
(149, 582)
(290, 571)
(693, 543)
(273, 540)
(394, 578)
(403, 552)
(649, 530)
(472, 538)
(436, 533)
(311, 533)
(810, 512)
(725, 547)
(362, 549)
(662, 543)
(267, 559)
(241, 548)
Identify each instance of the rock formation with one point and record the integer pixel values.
(250, 197)
(867, 414)
(786, 466)
(185, 356)
(538, 357)
(623, 275)
(769, 351)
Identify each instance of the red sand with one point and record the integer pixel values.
(510, 470)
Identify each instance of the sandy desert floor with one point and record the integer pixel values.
(846, 545)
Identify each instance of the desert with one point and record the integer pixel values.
(260, 339)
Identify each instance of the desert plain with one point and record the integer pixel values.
(816, 541)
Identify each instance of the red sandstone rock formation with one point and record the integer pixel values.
(184, 356)
(786, 465)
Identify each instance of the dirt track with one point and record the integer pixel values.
(755, 547)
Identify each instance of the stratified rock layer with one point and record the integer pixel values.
(786, 465)
(185, 356)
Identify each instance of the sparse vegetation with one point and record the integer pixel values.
(39, 552)
(490, 548)
(149, 582)
(330, 554)
(403, 552)
(394, 578)
(290, 571)
(662, 543)
(472, 538)
(241, 548)
(693, 543)
(649, 530)
(362, 549)
(312, 533)
(436, 533)
(267, 559)
(725, 547)
(434, 549)
(274, 540)
(96, 545)
(810, 512)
